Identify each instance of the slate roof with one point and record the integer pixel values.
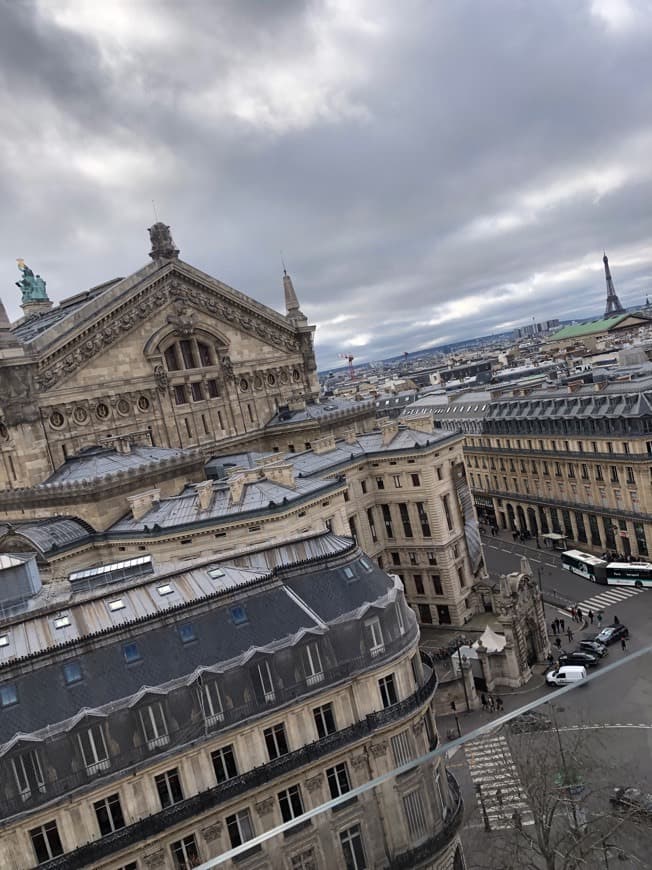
(301, 598)
(94, 463)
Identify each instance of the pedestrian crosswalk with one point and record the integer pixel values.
(498, 787)
(612, 595)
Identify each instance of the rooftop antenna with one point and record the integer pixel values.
(283, 262)
(154, 210)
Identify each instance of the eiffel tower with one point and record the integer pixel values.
(614, 305)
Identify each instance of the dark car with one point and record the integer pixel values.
(578, 657)
(593, 647)
(632, 800)
(530, 721)
(611, 633)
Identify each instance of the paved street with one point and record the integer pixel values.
(613, 714)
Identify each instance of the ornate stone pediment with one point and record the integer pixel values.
(188, 297)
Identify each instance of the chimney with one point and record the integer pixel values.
(388, 429)
(350, 436)
(204, 492)
(421, 424)
(283, 473)
(236, 485)
(142, 502)
(324, 444)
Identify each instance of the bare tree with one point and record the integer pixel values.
(566, 781)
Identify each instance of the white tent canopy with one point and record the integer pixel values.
(492, 641)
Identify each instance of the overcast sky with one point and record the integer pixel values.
(430, 170)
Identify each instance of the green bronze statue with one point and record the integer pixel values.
(32, 286)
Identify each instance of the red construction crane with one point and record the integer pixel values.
(349, 358)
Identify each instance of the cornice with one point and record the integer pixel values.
(177, 283)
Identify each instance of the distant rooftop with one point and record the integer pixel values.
(590, 327)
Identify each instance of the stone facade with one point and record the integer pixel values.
(205, 759)
(168, 352)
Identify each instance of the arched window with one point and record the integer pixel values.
(189, 353)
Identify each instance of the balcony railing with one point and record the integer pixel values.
(605, 511)
(198, 728)
(207, 800)
(578, 455)
(433, 845)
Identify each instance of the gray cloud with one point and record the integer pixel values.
(430, 171)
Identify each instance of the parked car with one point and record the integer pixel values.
(611, 633)
(564, 676)
(530, 721)
(593, 647)
(578, 657)
(632, 800)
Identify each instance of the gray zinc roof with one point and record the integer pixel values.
(365, 445)
(185, 509)
(51, 533)
(94, 463)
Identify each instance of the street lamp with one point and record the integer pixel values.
(485, 817)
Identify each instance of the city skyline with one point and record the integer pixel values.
(428, 177)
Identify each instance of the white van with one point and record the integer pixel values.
(565, 675)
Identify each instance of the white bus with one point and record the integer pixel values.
(638, 574)
(587, 566)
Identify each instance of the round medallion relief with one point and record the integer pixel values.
(244, 385)
(56, 420)
(296, 375)
(258, 382)
(271, 379)
(123, 407)
(284, 377)
(4, 432)
(80, 415)
(102, 411)
(143, 403)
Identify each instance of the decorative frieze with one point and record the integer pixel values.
(265, 807)
(314, 783)
(378, 749)
(212, 832)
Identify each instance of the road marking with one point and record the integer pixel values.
(607, 599)
(492, 767)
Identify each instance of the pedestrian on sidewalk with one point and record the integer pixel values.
(600, 617)
(623, 644)
(561, 622)
(590, 614)
(616, 620)
(553, 625)
(558, 642)
(572, 612)
(580, 615)
(499, 704)
(492, 705)
(551, 660)
(483, 701)
(569, 634)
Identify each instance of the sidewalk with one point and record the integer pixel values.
(512, 699)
